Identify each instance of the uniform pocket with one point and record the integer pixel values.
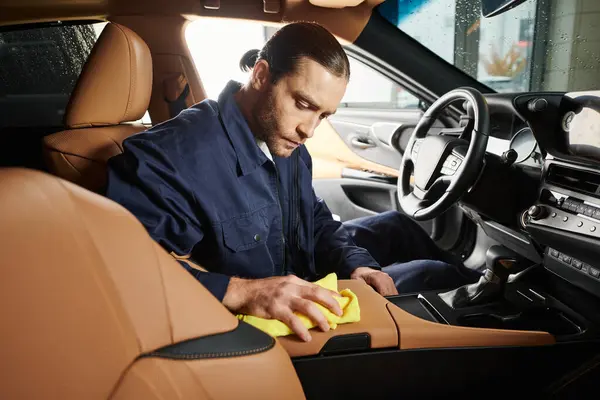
(245, 232)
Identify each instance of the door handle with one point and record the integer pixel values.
(362, 143)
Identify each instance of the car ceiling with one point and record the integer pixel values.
(345, 18)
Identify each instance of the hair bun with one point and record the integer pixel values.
(248, 60)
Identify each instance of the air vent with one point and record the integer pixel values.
(574, 179)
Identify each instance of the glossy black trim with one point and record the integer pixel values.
(478, 373)
(352, 343)
(242, 341)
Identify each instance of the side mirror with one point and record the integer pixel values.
(491, 8)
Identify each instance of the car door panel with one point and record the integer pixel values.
(352, 185)
(331, 155)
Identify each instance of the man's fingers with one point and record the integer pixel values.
(323, 297)
(383, 283)
(294, 323)
(308, 308)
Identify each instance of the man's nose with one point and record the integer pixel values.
(307, 128)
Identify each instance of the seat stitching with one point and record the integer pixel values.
(97, 252)
(131, 74)
(164, 288)
(63, 153)
(198, 382)
(189, 356)
(70, 164)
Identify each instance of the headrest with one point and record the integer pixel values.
(116, 82)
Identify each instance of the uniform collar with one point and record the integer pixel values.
(249, 155)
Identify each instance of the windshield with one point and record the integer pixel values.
(540, 45)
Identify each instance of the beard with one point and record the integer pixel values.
(266, 121)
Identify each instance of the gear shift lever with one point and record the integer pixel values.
(499, 262)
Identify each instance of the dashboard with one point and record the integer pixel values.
(546, 204)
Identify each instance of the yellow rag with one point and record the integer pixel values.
(348, 303)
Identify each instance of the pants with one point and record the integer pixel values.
(407, 253)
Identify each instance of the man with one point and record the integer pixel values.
(229, 183)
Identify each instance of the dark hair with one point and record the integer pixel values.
(297, 40)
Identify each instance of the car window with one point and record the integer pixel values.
(38, 70)
(368, 88)
(39, 67)
(217, 61)
(537, 45)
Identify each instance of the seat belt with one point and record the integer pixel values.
(177, 91)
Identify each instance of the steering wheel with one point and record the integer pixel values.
(445, 167)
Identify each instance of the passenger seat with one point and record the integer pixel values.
(113, 90)
(92, 308)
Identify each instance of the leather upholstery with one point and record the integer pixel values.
(88, 297)
(375, 320)
(116, 82)
(113, 90)
(80, 155)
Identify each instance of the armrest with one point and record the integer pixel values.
(375, 320)
(389, 326)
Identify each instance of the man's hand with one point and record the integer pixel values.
(278, 298)
(379, 280)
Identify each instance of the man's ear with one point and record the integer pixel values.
(261, 76)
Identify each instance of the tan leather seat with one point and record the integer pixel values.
(92, 308)
(113, 90)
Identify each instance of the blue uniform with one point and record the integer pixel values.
(201, 185)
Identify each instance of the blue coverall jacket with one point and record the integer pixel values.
(200, 185)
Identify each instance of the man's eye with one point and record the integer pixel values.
(301, 105)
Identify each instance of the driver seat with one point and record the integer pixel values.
(92, 308)
(112, 92)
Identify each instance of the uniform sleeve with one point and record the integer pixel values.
(145, 181)
(335, 251)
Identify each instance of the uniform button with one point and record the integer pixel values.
(553, 215)
(565, 219)
(593, 229)
(580, 224)
(257, 238)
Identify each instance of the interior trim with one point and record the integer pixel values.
(417, 333)
(242, 341)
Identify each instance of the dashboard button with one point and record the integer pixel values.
(585, 268)
(576, 264)
(589, 211)
(566, 259)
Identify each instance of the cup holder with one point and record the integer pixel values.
(548, 320)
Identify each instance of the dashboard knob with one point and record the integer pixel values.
(537, 105)
(510, 156)
(537, 212)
